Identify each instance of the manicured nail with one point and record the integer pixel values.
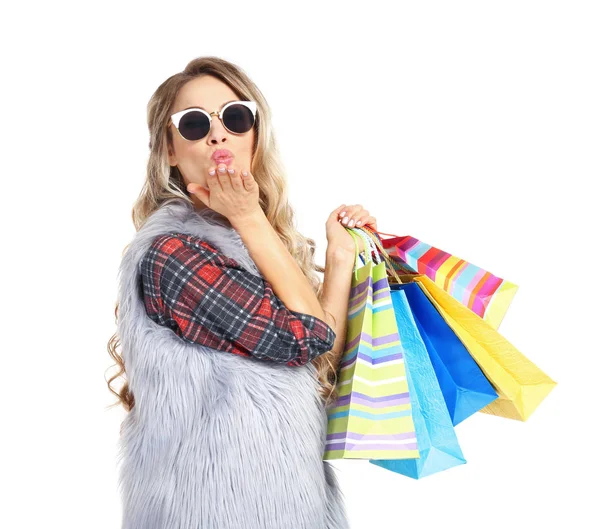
(211, 172)
(345, 221)
(231, 171)
(221, 169)
(359, 223)
(351, 223)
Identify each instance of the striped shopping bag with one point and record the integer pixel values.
(487, 295)
(520, 385)
(371, 419)
(465, 388)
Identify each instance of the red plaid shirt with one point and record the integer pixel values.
(207, 298)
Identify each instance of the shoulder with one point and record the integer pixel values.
(170, 243)
(187, 249)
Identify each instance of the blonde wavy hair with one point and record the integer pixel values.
(164, 182)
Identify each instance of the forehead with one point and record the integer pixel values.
(205, 92)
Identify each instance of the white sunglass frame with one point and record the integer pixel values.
(176, 118)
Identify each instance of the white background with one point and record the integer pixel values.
(473, 126)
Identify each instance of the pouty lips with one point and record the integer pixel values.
(222, 156)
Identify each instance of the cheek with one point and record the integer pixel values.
(250, 139)
(194, 166)
(196, 157)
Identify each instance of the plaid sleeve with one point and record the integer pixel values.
(208, 298)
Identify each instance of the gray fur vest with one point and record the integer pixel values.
(215, 440)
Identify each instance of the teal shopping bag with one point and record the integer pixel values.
(436, 439)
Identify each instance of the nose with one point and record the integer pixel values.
(218, 133)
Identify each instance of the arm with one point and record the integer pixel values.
(208, 298)
(335, 294)
(278, 266)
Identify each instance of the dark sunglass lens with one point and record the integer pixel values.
(238, 118)
(194, 126)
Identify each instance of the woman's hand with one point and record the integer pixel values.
(233, 195)
(337, 235)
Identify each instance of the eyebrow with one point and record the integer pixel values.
(198, 106)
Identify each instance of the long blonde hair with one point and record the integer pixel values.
(164, 182)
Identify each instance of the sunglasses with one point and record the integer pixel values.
(194, 123)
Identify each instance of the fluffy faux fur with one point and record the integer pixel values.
(215, 440)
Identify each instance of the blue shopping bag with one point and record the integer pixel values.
(465, 388)
(436, 439)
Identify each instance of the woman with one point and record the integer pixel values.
(230, 341)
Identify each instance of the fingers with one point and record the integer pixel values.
(223, 176)
(347, 213)
(248, 180)
(226, 178)
(336, 212)
(212, 180)
(356, 216)
(368, 220)
(235, 179)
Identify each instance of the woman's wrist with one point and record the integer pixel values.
(339, 254)
(337, 282)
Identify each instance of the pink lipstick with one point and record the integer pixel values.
(222, 156)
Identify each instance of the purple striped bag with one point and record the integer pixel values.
(371, 419)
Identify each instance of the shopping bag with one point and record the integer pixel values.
(521, 385)
(437, 442)
(371, 419)
(465, 388)
(487, 295)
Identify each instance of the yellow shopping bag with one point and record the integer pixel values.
(521, 385)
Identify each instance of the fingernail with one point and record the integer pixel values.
(221, 169)
(345, 221)
(211, 172)
(230, 171)
(342, 213)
